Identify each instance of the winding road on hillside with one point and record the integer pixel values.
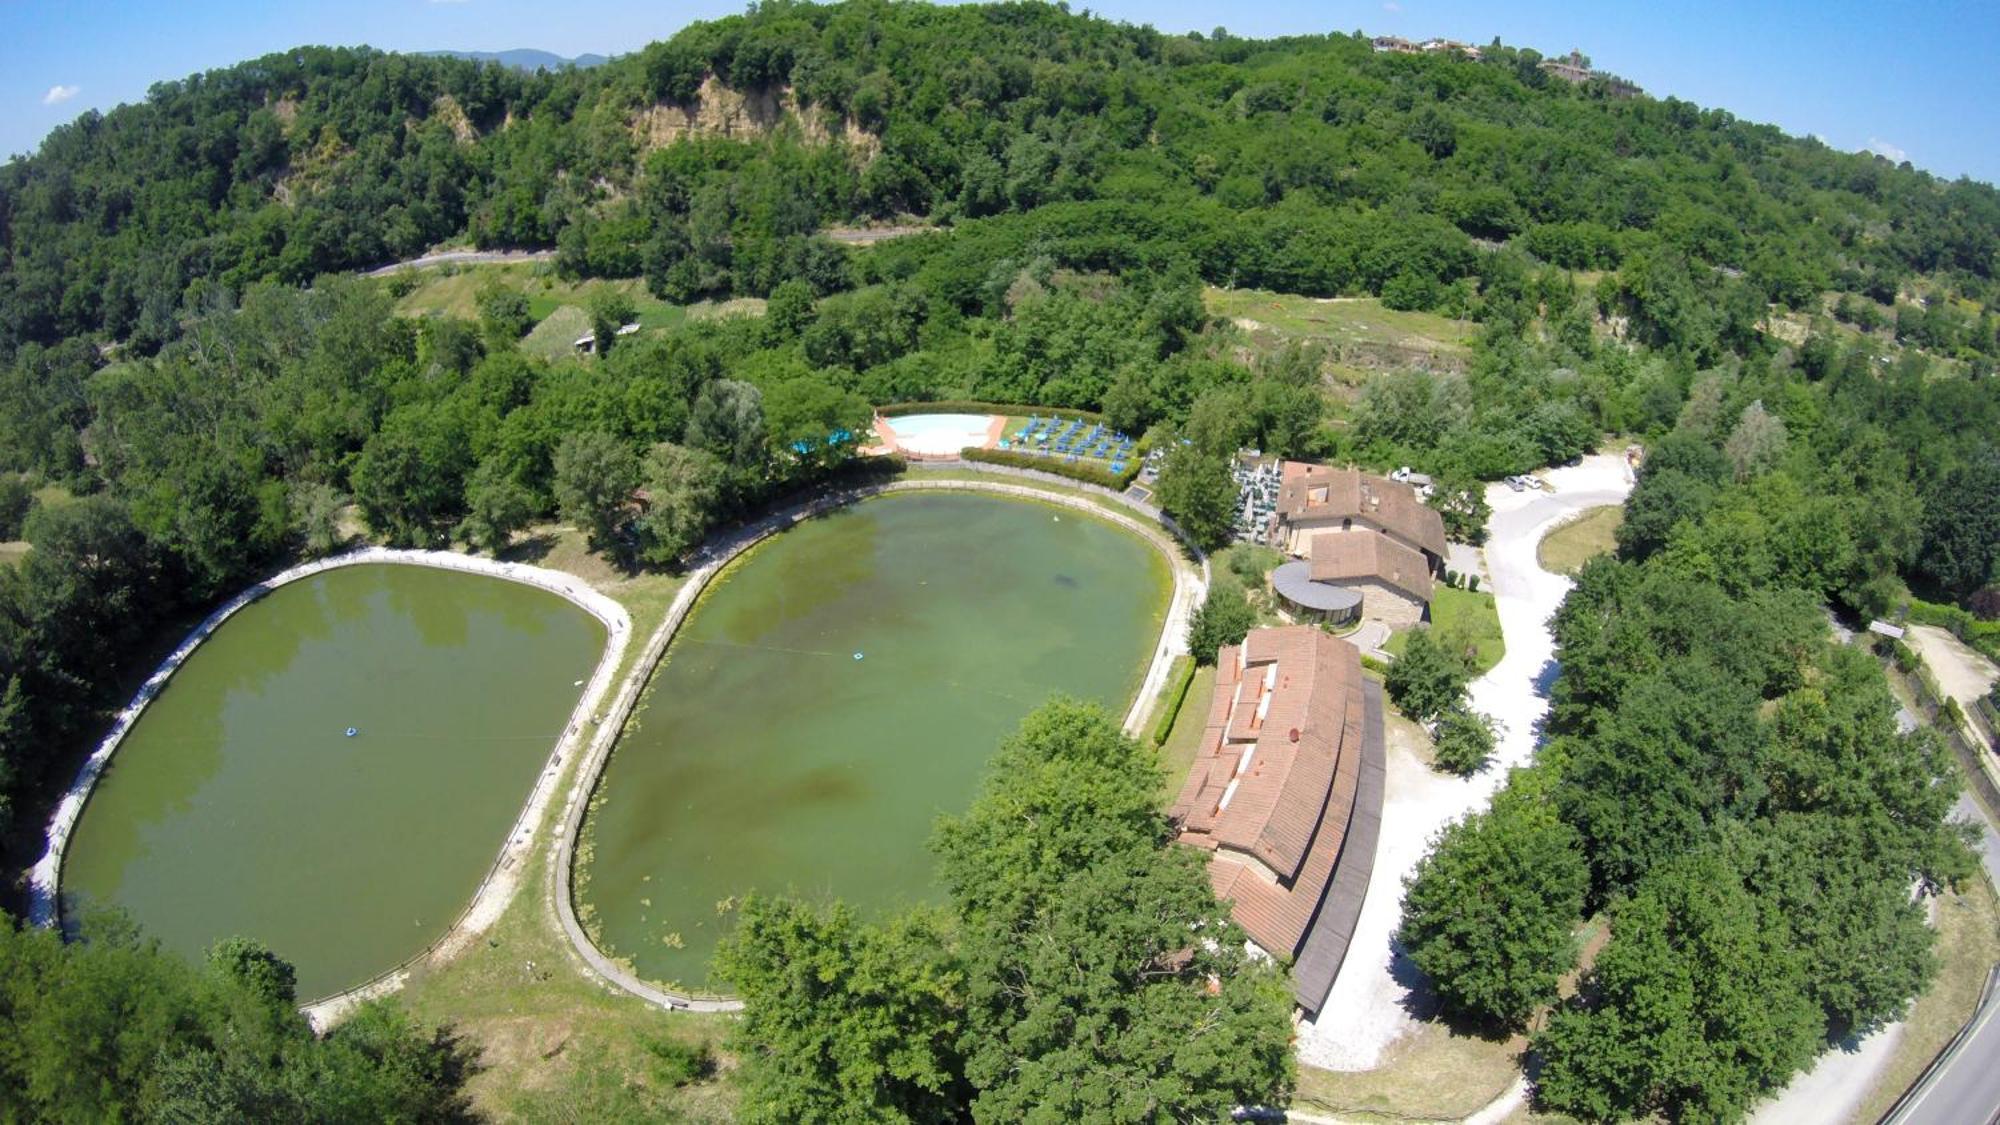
(464, 258)
(1372, 1000)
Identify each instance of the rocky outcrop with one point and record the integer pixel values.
(721, 111)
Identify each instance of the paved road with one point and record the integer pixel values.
(1967, 1090)
(464, 258)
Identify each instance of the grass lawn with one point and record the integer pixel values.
(1463, 617)
(13, 551)
(1432, 1074)
(1593, 533)
(553, 1043)
(1275, 319)
(556, 335)
(1178, 751)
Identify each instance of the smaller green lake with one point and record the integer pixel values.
(835, 691)
(238, 805)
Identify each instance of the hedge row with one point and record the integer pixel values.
(1081, 471)
(969, 406)
(1177, 689)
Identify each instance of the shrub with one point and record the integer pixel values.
(1079, 471)
(1174, 698)
(676, 1063)
(1224, 619)
(1906, 658)
(1464, 740)
(1428, 679)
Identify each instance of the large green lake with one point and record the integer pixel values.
(238, 805)
(768, 757)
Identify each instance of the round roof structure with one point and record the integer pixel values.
(1294, 582)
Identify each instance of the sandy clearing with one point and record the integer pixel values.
(1963, 674)
(1372, 1000)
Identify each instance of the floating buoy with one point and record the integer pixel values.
(351, 732)
(857, 656)
(579, 683)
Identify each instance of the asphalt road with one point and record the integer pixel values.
(1966, 1089)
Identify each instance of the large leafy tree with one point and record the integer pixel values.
(1086, 999)
(113, 1028)
(1694, 1010)
(1428, 679)
(1196, 489)
(594, 477)
(845, 1021)
(1487, 914)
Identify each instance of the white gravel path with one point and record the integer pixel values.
(1370, 1006)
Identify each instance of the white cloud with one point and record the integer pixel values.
(57, 95)
(1881, 147)
(1391, 6)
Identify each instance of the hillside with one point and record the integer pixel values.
(1702, 880)
(1310, 165)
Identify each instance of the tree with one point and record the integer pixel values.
(1461, 502)
(844, 1021)
(504, 313)
(1488, 911)
(15, 500)
(728, 422)
(1198, 491)
(1961, 549)
(594, 477)
(610, 309)
(495, 507)
(1464, 740)
(113, 1028)
(1225, 618)
(1693, 1011)
(1757, 443)
(1084, 998)
(316, 512)
(1426, 680)
(789, 312)
(683, 487)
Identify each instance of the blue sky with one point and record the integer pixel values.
(1913, 80)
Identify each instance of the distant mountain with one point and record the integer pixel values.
(526, 58)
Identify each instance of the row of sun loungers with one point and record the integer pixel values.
(1071, 440)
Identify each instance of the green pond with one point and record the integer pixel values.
(767, 756)
(238, 805)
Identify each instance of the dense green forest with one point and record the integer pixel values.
(1803, 338)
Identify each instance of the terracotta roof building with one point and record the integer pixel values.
(1286, 793)
(1367, 535)
(1313, 497)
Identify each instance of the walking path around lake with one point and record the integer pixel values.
(1189, 588)
(1370, 1006)
(501, 880)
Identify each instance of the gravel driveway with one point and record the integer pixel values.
(1370, 1006)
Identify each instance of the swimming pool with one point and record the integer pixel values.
(941, 433)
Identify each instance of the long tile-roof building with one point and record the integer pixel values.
(1286, 794)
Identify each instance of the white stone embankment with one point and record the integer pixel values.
(1190, 587)
(501, 880)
